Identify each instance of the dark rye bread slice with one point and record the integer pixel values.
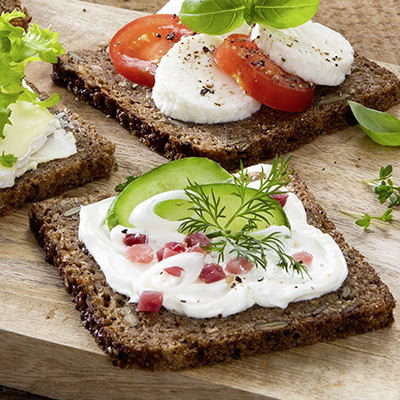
(9, 6)
(164, 340)
(90, 75)
(94, 159)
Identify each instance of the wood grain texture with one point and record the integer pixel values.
(44, 350)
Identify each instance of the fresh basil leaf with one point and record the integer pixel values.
(282, 14)
(383, 128)
(214, 17)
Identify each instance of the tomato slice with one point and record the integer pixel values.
(261, 78)
(137, 48)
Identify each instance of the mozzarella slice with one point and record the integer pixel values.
(311, 51)
(189, 86)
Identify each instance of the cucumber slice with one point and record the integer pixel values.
(174, 210)
(169, 176)
(178, 209)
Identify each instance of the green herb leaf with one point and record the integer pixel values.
(366, 219)
(384, 187)
(217, 17)
(214, 17)
(383, 128)
(7, 160)
(121, 186)
(284, 14)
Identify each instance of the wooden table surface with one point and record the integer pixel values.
(44, 350)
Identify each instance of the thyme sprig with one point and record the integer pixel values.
(364, 220)
(210, 217)
(383, 186)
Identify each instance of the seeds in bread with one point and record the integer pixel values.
(167, 341)
(90, 75)
(94, 159)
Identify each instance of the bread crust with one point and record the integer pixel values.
(94, 160)
(166, 341)
(90, 75)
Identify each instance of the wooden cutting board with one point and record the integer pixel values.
(45, 350)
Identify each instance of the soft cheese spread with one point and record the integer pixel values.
(188, 295)
(35, 136)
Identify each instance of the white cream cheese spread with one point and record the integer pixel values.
(187, 294)
(35, 136)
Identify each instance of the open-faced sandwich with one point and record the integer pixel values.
(190, 265)
(44, 148)
(250, 85)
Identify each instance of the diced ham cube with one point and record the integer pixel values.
(140, 253)
(150, 301)
(212, 273)
(197, 239)
(170, 249)
(236, 267)
(197, 249)
(174, 271)
(134, 238)
(304, 257)
(281, 197)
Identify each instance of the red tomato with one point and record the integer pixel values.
(262, 79)
(137, 48)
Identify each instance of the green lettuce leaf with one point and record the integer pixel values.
(17, 49)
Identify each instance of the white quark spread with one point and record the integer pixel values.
(35, 136)
(190, 296)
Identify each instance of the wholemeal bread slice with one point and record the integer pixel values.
(165, 340)
(9, 6)
(90, 75)
(94, 159)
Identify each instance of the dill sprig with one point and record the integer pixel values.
(209, 217)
